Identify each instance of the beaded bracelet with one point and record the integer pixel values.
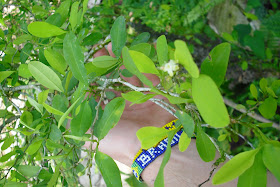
(144, 157)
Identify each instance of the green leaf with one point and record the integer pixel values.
(184, 142)
(42, 96)
(205, 147)
(111, 116)
(7, 156)
(216, 66)
(56, 60)
(54, 19)
(268, 107)
(143, 63)
(263, 84)
(118, 35)
(55, 176)
(256, 43)
(159, 181)
(26, 117)
(74, 56)
(142, 48)
(183, 55)
(28, 171)
(162, 50)
(109, 170)
(36, 105)
(209, 101)
(92, 39)
(73, 19)
(7, 143)
(137, 97)
(25, 52)
(255, 175)
(5, 74)
(79, 138)
(130, 66)
(55, 134)
(63, 117)
(34, 147)
(271, 159)
(54, 111)
(150, 136)
(264, 125)
(171, 99)
(44, 29)
(63, 10)
(141, 38)
(45, 75)
(186, 121)
(235, 167)
(104, 61)
(82, 122)
(23, 71)
(254, 91)
(251, 102)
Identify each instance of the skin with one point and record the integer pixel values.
(183, 169)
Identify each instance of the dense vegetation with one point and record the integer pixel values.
(222, 78)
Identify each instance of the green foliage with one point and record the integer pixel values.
(46, 63)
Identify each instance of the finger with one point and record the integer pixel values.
(109, 48)
(101, 52)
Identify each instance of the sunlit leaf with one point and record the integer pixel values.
(118, 35)
(150, 136)
(271, 159)
(44, 29)
(162, 50)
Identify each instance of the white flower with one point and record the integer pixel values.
(170, 67)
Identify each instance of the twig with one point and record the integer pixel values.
(241, 136)
(210, 175)
(251, 114)
(218, 148)
(23, 87)
(17, 108)
(97, 48)
(165, 103)
(163, 106)
(8, 121)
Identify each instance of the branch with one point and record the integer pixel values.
(251, 114)
(8, 121)
(23, 87)
(94, 49)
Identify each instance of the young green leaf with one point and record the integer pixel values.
(74, 56)
(141, 38)
(28, 171)
(111, 116)
(55, 176)
(7, 143)
(36, 105)
(268, 107)
(205, 147)
(45, 75)
(118, 35)
(162, 50)
(143, 63)
(254, 91)
(255, 175)
(34, 147)
(271, 159)
(183, 55)
(56, 60)
(159, 181)
(216, 66)
(186, 121)
(26, 118)
(150, 136)
(109, 169)
(63, 10)
(63, 117)
(54, 111)
(263, 84)
(79, 138)
(82, 122)
(104, 61)
(235, 167)
(73, 19)
(44, 29)
(209, 101)
(23, 71)
(137, 97)
(55, 134)
(130, 65)
(5, 74)
(42, 96)
(184, 142)
(144, 48)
